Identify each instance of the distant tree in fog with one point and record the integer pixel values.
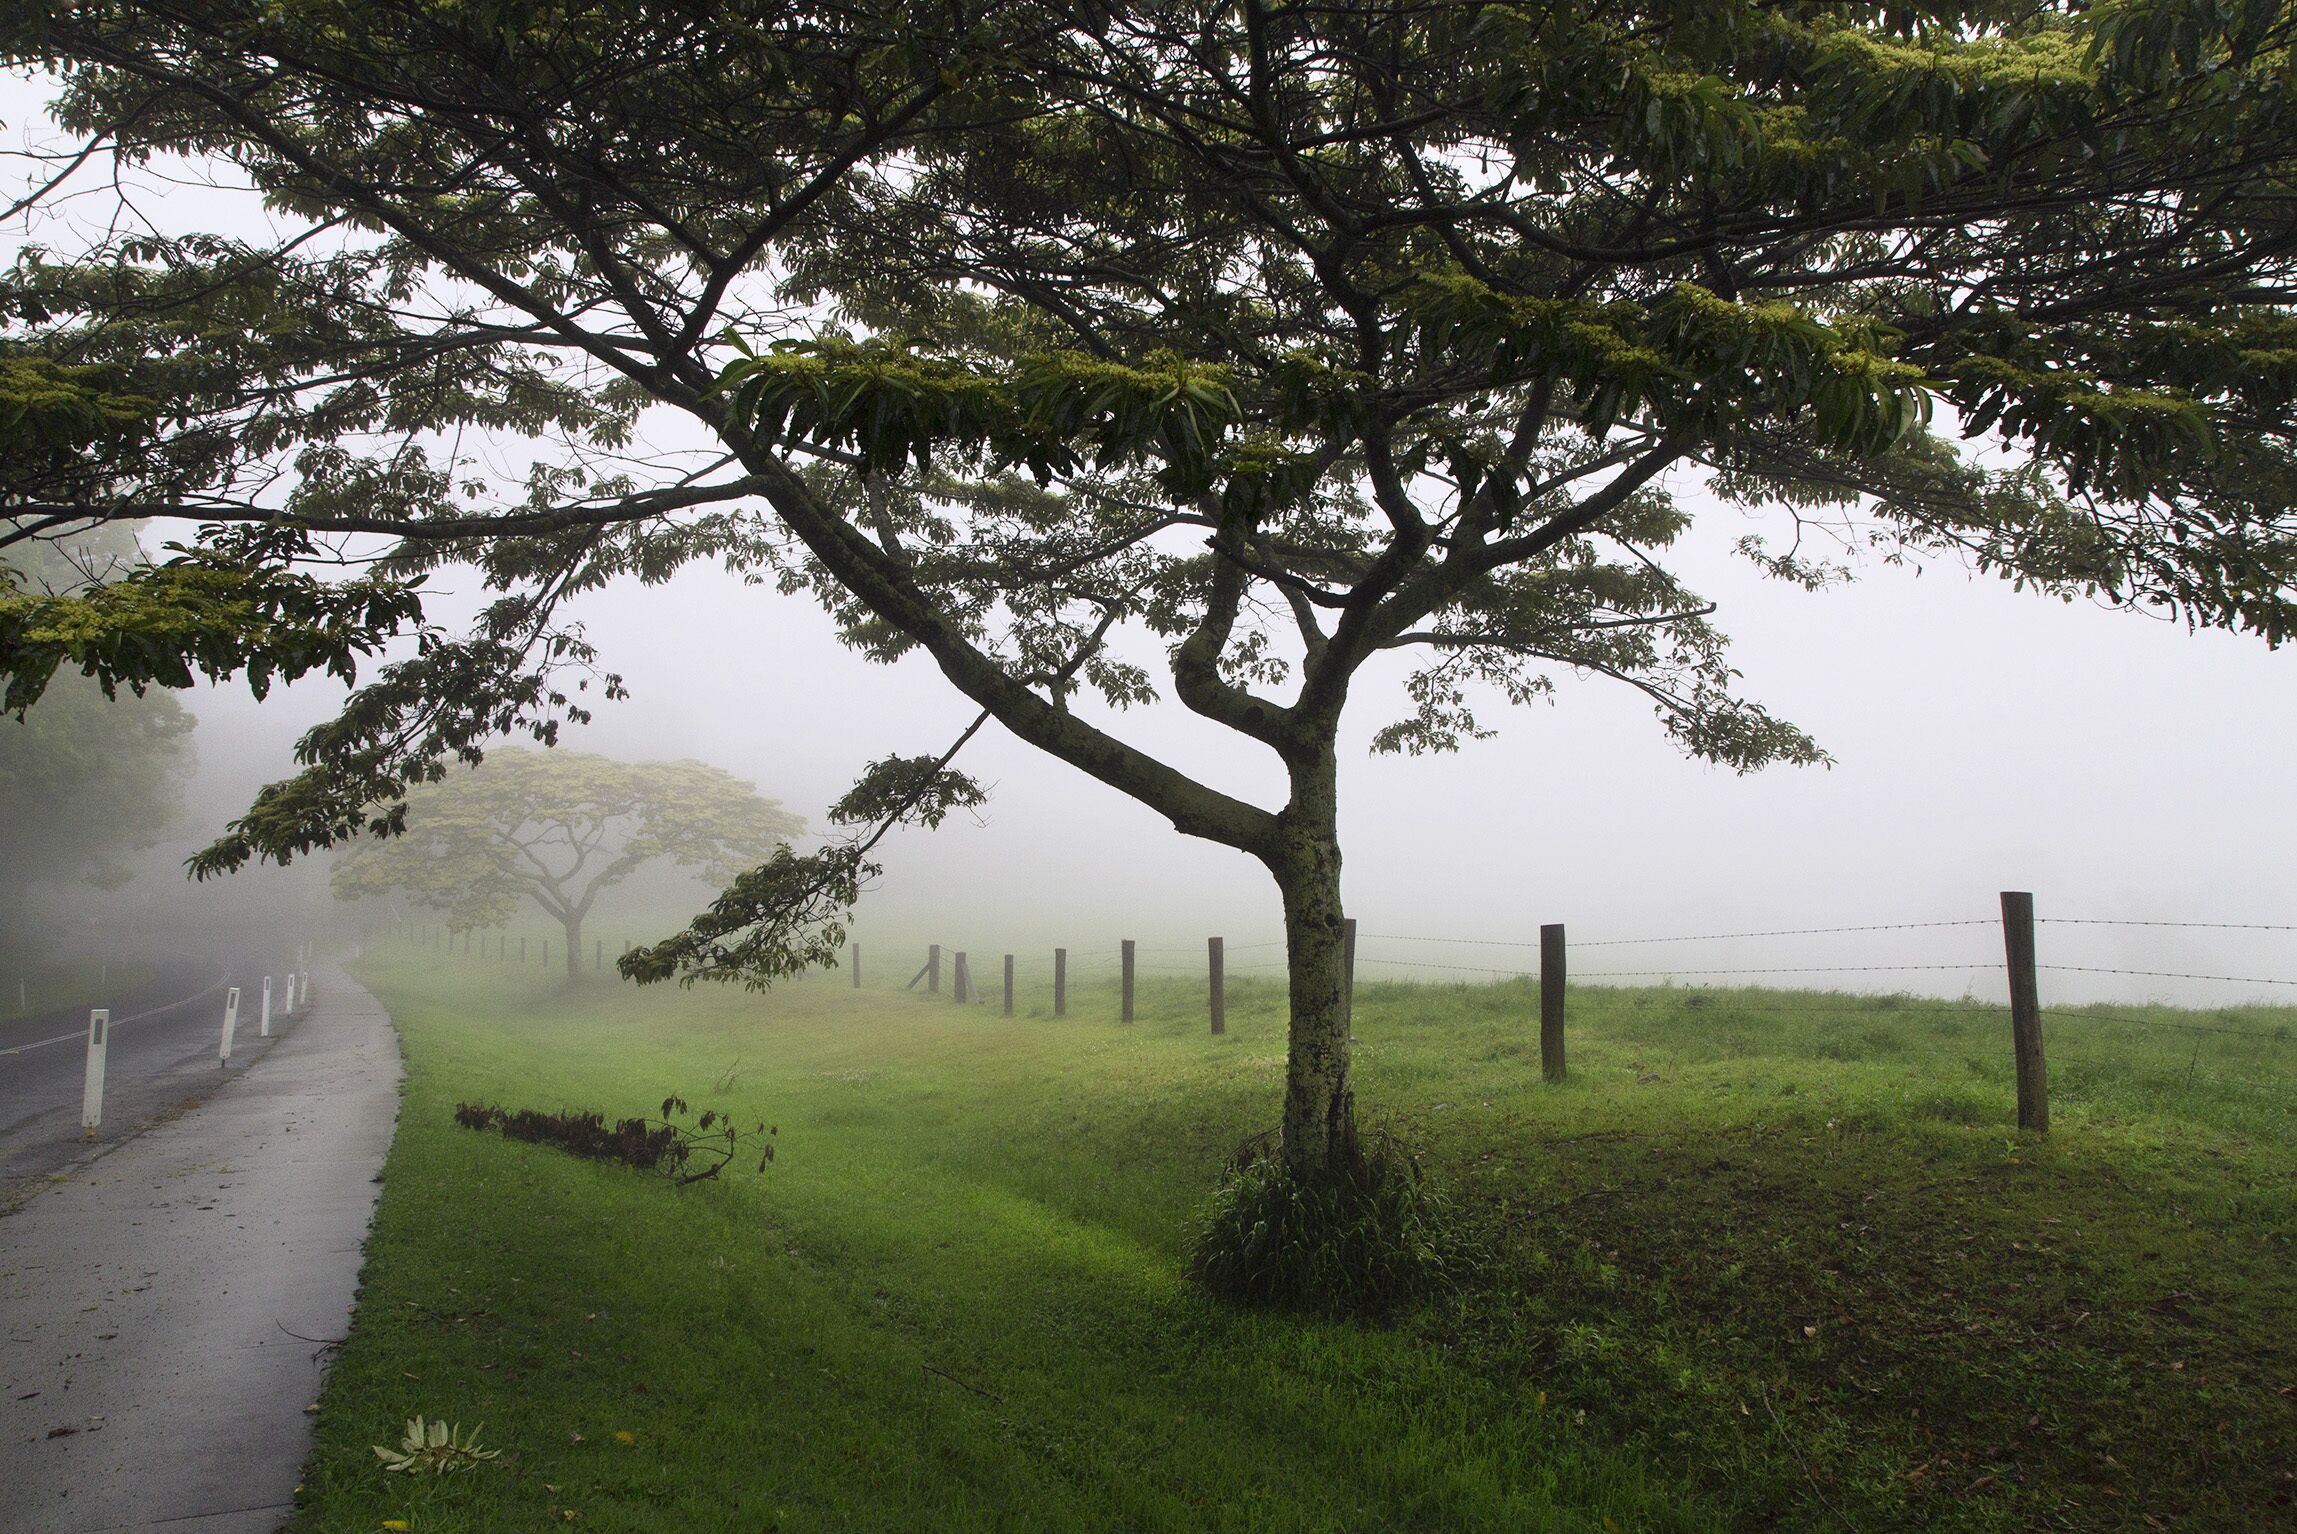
(559, 828)
(85, 781)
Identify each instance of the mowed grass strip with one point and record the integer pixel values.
(1765, 1261)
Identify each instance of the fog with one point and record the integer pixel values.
(2117, 766)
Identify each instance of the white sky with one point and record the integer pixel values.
(2114, 765)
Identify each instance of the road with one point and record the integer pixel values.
(165, 1308)
(161, 1059)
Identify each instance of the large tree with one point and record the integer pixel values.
(560, 828)
(1288, 335)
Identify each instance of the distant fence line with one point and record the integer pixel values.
(498, 945)
(1214, 961)
(2018, 965)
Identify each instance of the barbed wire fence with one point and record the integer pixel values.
(2000, 955)
(2007, 964)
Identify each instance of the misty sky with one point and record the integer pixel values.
(2113, 764)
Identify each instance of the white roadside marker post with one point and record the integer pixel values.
(92, 1095)
(265, 1026)
(287, 1007)
(230, 1022)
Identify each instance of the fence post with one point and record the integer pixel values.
(522, 950)
(1216, 958)
(230, 1025)
(92, 1085)
(1008, 985)
(1060, 982)
(857, 966)
(933, 969)
(1348, 973)
(597, 954)
(2025, 1011)
(963, 979)
(546, 953)
(1128, 973)
(1551, 1001)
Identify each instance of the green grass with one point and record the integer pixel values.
(1765, 1261)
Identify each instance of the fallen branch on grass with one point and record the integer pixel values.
(682, 1152)
(1787, 1438)
(963, 1384)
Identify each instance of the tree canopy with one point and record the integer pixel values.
(560, 828)
(1287, 336)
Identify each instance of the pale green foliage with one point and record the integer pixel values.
(85, 780)
(559, 828)
(434, 1448)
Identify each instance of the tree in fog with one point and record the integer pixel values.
(88, 780)
(560, 828)
(1286, 337)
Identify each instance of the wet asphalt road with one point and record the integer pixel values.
(167, 1308)
(162, 1058)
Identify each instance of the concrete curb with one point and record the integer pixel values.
(163, 1312)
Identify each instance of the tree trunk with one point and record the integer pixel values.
(1319, 1092)
(573, 926)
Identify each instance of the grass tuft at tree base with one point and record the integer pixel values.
(1367, 1240)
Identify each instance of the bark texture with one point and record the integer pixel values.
(1319, 1088)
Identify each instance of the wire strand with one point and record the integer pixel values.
(1716, 937)
(1807, 969)
(2164, 974)
(2147, 1022)
(2213, 926)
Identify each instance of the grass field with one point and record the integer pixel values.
(1767, 1261)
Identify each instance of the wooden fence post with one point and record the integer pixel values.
(1551, 1001)
(1219, 963)
(522, 950)
(1008, 985)
(1348, 972)
(857, 966)
(1128, 968)
(597, 953)
(961, 979)
(1060, 982)
(2025, 1011)
(933, 969)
